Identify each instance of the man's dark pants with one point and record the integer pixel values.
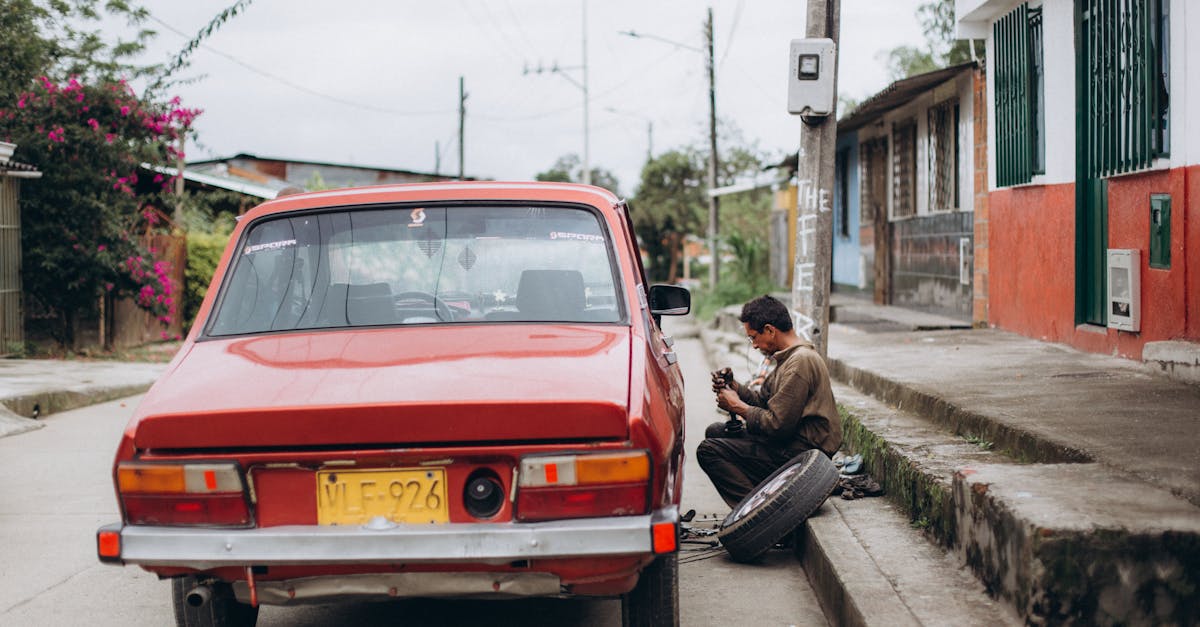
(737, 465)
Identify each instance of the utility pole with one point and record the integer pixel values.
(714, 206)
(815, 175)
(587, 162)
(462, 115)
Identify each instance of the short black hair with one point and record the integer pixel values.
(764, 310)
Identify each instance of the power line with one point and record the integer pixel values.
(302, 88)
(737, 17)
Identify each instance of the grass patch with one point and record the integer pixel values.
(979, 441)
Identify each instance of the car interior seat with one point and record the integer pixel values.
(370, 304)
(551, 295)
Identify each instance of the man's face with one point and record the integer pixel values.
(763, 340)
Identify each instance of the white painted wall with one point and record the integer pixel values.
(1185, 64)
(1060, 60)
(1058, 51)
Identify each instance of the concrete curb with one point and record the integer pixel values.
(853, 593)
(1015, 442)
(1061, 542)
(12, 424)
(54, 401)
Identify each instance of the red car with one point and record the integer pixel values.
(415, 391)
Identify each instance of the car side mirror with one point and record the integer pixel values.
(669, 300)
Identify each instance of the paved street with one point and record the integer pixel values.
(59, 490)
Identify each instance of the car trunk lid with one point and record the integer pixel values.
(409, 386)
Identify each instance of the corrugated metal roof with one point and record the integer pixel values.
(237, 185)
(897, 94)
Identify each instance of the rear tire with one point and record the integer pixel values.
(654, 602)
(778, 505)
(221, 610)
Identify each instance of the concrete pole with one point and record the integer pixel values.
(714, 207)
(814, 223)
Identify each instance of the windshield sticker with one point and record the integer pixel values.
(283, 243)
(418, 218)
(582, 237)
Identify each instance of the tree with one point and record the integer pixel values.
(65, 101)
(669, 205)
(942, 50)
(569, 169)
(81, 220)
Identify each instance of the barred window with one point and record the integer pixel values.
(943, 156)
(872, 161)
(1020, 96)
(1125, 77)
(904, 169)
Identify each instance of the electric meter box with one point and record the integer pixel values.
(1124, 289)
(810, 84)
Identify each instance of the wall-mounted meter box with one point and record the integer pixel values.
(810, 83)
(1124, 289)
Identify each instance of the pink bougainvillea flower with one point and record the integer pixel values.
(93, 124)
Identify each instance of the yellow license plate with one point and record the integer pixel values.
(402, 495)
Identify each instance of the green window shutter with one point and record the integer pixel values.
(1126, 74)
(1014, 148)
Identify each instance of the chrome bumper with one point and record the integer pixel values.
(497, 543)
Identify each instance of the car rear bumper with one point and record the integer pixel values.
(497, 543)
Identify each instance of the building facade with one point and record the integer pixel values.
(904, 223)
(1093, 214)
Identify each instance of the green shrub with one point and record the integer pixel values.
(204, 253)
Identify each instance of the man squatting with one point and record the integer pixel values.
(793, 412)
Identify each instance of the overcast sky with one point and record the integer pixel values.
(375, 82)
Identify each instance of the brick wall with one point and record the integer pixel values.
(980, 296)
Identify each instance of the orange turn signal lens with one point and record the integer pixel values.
(664, 536)
(158, 478)
(612, 468)
(108, 544)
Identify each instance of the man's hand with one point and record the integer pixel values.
(728, 400)
(722, 379)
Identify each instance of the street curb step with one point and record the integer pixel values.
(1064, 543)
(869, 566)
(1017, 443)
(53, 401)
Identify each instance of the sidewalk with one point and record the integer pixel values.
(1068, 482)
(31, 389)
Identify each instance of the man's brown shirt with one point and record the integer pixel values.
(795, 409)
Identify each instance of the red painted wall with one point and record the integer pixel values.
(1191, 227)
(1032, 273)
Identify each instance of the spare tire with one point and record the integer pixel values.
(778, 505)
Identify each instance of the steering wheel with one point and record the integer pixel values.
(444, 312)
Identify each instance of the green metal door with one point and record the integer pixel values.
(1122, 115)
(1091, 208)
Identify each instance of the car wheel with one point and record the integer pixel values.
(655, 600)
(778, 505)
(220, 609)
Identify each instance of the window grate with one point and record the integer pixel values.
(943, 156)
(872, 177)
(1126, 69)
(1020, 125)
(904, 169)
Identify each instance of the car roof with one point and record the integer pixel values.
(532, 191)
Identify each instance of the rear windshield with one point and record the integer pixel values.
(427, 265)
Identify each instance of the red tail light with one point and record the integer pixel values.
(227, 510)
(581, 502)
(211, 495)
(583, 486)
